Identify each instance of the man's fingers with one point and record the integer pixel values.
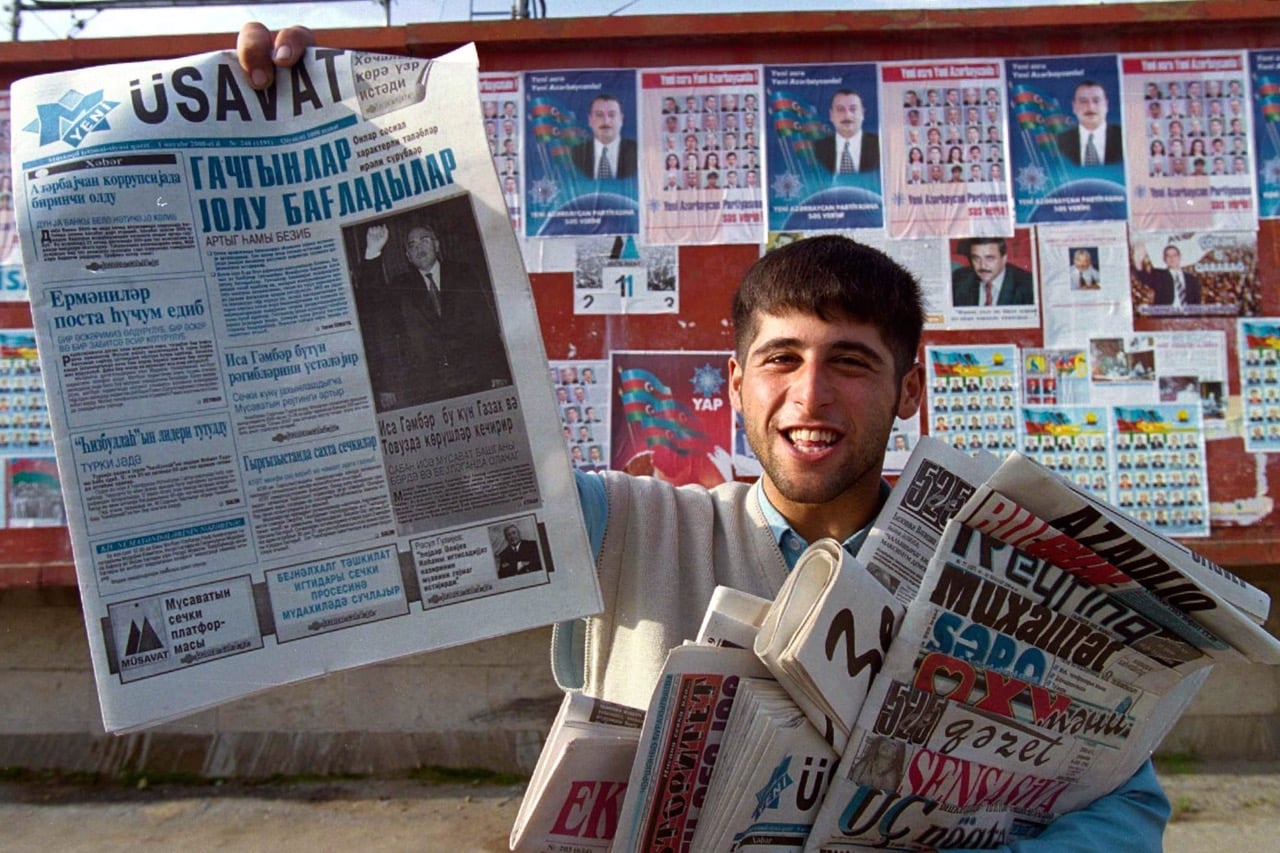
(253, 49)
(290, 43)
(259, 54)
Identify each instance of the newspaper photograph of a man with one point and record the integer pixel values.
(425, 302)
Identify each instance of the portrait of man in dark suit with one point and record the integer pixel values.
(426, 307)
(850, 149)
(1170, 286)
(606, 155)
(1093, 142)
(520, 556)
(990, 279)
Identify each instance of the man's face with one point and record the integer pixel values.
(421, 248)
(846, 114)
(1172, 258)
(986, 260)
(1083, 260)
(1090, 106)
(512, 535)
(605, 120)
(818, 399)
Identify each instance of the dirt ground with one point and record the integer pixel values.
(1217, 806)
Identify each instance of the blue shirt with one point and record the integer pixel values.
(1130, 818)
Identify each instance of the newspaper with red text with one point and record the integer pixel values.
(993, 713)
(575, 794)
(683, 730)
(292, 361)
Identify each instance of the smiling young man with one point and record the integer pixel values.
(826, 337)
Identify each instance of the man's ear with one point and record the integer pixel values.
(735, 384)
(911, 391)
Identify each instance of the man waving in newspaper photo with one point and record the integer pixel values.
(826, 338)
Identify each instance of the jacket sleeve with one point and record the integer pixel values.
(1131, 818)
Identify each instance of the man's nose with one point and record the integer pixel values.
(811, 386)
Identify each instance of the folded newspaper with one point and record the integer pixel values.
(293, 361)
(574, 798)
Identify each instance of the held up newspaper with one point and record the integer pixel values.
(295, 375)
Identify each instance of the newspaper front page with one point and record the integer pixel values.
(297, 387)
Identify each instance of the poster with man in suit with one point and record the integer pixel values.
(581, 156)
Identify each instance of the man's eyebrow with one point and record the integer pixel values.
(841, 347)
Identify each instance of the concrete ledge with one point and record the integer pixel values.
(258, 755)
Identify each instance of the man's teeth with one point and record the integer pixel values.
(813, 436)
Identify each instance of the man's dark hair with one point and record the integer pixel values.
(1086, 83)
(833, 277)
(984, 241)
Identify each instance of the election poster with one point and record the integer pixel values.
(24, 411)
(1190, 154)
(1066, 142)
(13, 285)
(503, 109)
(705, 187)
(1258, 345)
(945, 149)
(1160, 467)
(1084, 281)
(1177, 273)
(824, 147)
(973, 395)
(581, 153)
(33, 496)
(582, 397)
(671, 416)
(1071, 440)
(618, 275)
(1264, 71)
(993, 283)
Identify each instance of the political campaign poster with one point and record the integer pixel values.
(1071, 440)
(1066, 141)
(671, 415)
(24, 412)
(993, 283)
(581, 154)
(13, 285)
(705, 186)
(582, 397)
(1264, 71)
(1084, 281)
(618, 275)
(1190, 157)
(943, 122)
(1161, 480)
(975, 389)
(824, 147)
(1177, 273)
(503, 108)
(33, 496)
(1258, 346)
(1055, 376)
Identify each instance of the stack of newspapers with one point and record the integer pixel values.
(1004, 649)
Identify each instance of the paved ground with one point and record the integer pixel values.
(1231, 807)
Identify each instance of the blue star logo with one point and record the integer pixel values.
(707, 381)
(72, 118)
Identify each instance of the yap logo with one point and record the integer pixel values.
(72, 118)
